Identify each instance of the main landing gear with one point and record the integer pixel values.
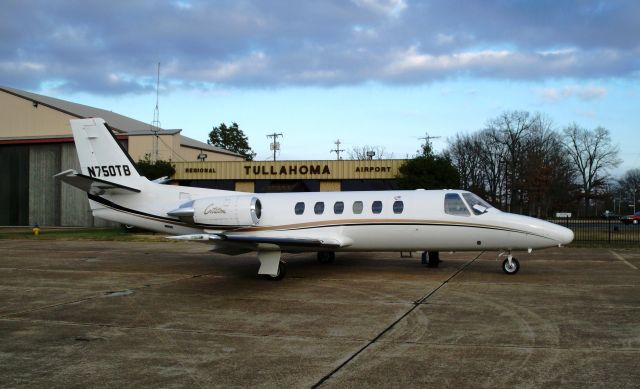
(326, 256)
(271, 266)
(431, 258)
(510, 265)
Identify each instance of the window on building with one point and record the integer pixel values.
(398, 207)
(376, 207)
(299, 208)
(338, 207)
(357, 207)
(318, 209)
(453, 205)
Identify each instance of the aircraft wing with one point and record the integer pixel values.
(93, 185)
(242, 243)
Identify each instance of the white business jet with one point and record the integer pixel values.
(325, 222)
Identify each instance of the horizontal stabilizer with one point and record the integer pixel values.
(93, 185)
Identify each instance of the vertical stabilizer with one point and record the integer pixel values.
(101, 155)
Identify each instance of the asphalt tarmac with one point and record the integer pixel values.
(156, 314)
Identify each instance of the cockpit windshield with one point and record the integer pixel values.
(478, 205)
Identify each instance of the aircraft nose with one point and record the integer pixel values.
(563, 235)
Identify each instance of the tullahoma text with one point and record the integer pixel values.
(292, 170)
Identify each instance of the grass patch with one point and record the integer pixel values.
(108, 234)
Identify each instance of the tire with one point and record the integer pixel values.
(424, 258)
(326, 256)
(282, 271)
(510, 269)
(434, 258)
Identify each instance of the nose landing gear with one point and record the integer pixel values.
(510, 265)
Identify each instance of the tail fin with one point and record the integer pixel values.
(103, 161)
(101, 155)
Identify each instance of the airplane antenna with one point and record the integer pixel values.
(337, 150)
(275, 145)
(155, 124)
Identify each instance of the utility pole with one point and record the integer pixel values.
(428, 138)
(337, 150)
(275, 145)
(427, 141)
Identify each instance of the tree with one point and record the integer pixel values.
(517, 162)
(428, 171)
(153, 170)
(231, 138)
(629, 188)
(592, 154)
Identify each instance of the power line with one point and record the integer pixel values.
(275, 145)
(337, 150)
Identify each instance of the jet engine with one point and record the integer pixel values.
(221, 211)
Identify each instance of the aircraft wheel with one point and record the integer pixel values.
(434, 258)
(510, 269)
(424, 258)
(282, 271)
(326, 256)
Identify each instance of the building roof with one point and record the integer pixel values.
(120, 123)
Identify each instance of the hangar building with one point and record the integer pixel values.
(36, 143)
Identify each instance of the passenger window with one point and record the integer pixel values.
(376, 207)
(398, 207)
(299, 209)
(357, 207)
(338, 207)
(318, 209)
(453, 205)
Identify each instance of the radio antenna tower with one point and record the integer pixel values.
(155, 124)
(337, 150)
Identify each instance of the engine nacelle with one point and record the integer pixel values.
(221, 211)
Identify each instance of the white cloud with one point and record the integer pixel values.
(411, 60)
(444, 39)
(581, 92)
(260, 43)
(391, 8)
(250, 65)
(21, 66)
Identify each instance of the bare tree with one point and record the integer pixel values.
(464, 152)
(517, 162)
(628, 186)
(361, 152)
(592, 154)
(510, 130)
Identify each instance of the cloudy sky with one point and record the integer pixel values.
(375, 72)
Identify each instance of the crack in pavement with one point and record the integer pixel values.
(415, 305)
